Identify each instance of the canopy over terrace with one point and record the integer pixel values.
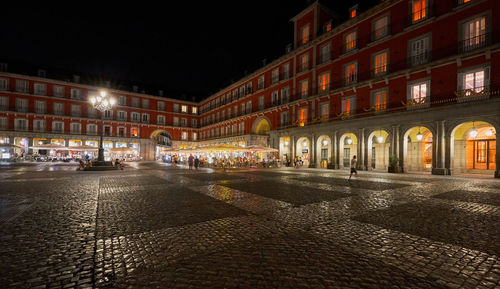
(50, 146)
(122, 150)
(83, 148)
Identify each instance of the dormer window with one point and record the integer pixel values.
(353, 11)
(304, 34)
(327, 27)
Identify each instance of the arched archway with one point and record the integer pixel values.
(161, 138)
(304, 150)
(323, 151)
(473, 147)
(418, 149)
(261, 126)
(348, 147)
(378, 150)
(285, 149)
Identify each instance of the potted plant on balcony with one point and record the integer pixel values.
(394, 164)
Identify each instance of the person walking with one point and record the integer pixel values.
(354, 161)
(190, 161)
(196, 163)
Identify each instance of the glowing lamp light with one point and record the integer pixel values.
(349, 140)
(304, 143)
(103, 93)
(286, 143)
(93, 100)
(380, 139)
(489, 132)
(105, 102)
(98, 99)
(325, 142)
(419, 136)
(112, 101)
(473, 133)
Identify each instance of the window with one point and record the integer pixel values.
(418, 92)
(304, 88)
(108, 114)
(419, 50)
(4, 84)
(76, 128)
(261, 102)
(249, 87)
(324, 110)
(40, 89)
(474, 34)
(122, 115)
(122, 131)
(350, 73)
(242, 108)
(76, 93)
(58, 126)
(21, 104)
(194, 121)
(304, 34)
(419, 10)
(92, 129)
(324, 81)
(107, 130)
(325, 52)
(4, 103)
(176, 107)
(22, 86)
(242, 92)
(145, 118)
(235, 94)
(229, 113)
(58, 108)
(134, 132)
(4, 123)
(474, 81)
(284, 118)
(275, 75)
(380, 28)
(302, 119)
(261, 82)
(184, 108)
(184, 122)
(40, 106)
(135, 102)
(327, 27)
(58, 91)
(176, 121)
(464, 1)
(304, 62)
(223, 115)
(194, 110)
(349, 105)
(241, 128)
(145, 103)
(235, 111)
(380, 63)
(285, 94)
(274, 98)
(39, 125)
(135, 116)
(249, 106)
(194, 136)
(350, 41)
(233, 128)
(76, 110)
(379, 99)
(21, 124)
(161, 119)
(122, 100)
(286, 70)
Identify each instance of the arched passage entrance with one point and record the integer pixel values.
(348, 147)
(378, 150)
(161, 139)
(304, 150)
(418, 149)
(285, 150)
(473, 148)
(323, 151)
(261, 126)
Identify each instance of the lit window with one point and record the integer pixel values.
(304, 62)
(324, 81)
(134, 131)
(184, 108)
(348, 105)
(350, 73)
(350, 41)
(305, 34)
(418, 92)
(304, 86)
(379, 100)
(380, 28)
(419, 10)
(353, 13)
(474, 34)
(380, 63)
(302, 116)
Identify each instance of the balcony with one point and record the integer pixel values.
(380, 33)
(474, 42)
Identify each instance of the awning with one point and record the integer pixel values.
(50, 146)
(122, 150)
(83, 148)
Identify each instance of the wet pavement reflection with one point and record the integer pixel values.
(155, 226)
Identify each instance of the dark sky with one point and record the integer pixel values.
(184, 48)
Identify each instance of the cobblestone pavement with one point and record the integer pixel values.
(154, 226)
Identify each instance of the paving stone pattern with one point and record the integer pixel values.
(154, 226)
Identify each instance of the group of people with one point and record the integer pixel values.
(193, 161)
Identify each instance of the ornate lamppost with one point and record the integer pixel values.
(102, 103)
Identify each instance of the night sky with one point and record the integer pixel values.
(185, 49)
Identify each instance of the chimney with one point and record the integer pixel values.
(135, 88)
(76, 78)
(160, 92)
(42, 73)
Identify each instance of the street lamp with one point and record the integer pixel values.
(102, 102)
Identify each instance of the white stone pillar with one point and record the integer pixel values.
(312, 160)
(335, 151)
(439, 148)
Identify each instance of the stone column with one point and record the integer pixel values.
(361, 149)
(312, 159)
(335, 151)
(292, 151)
(497, 157)
(438, 149)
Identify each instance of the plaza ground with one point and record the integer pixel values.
(154, 226)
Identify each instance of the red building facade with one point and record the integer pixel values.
(418, 75)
